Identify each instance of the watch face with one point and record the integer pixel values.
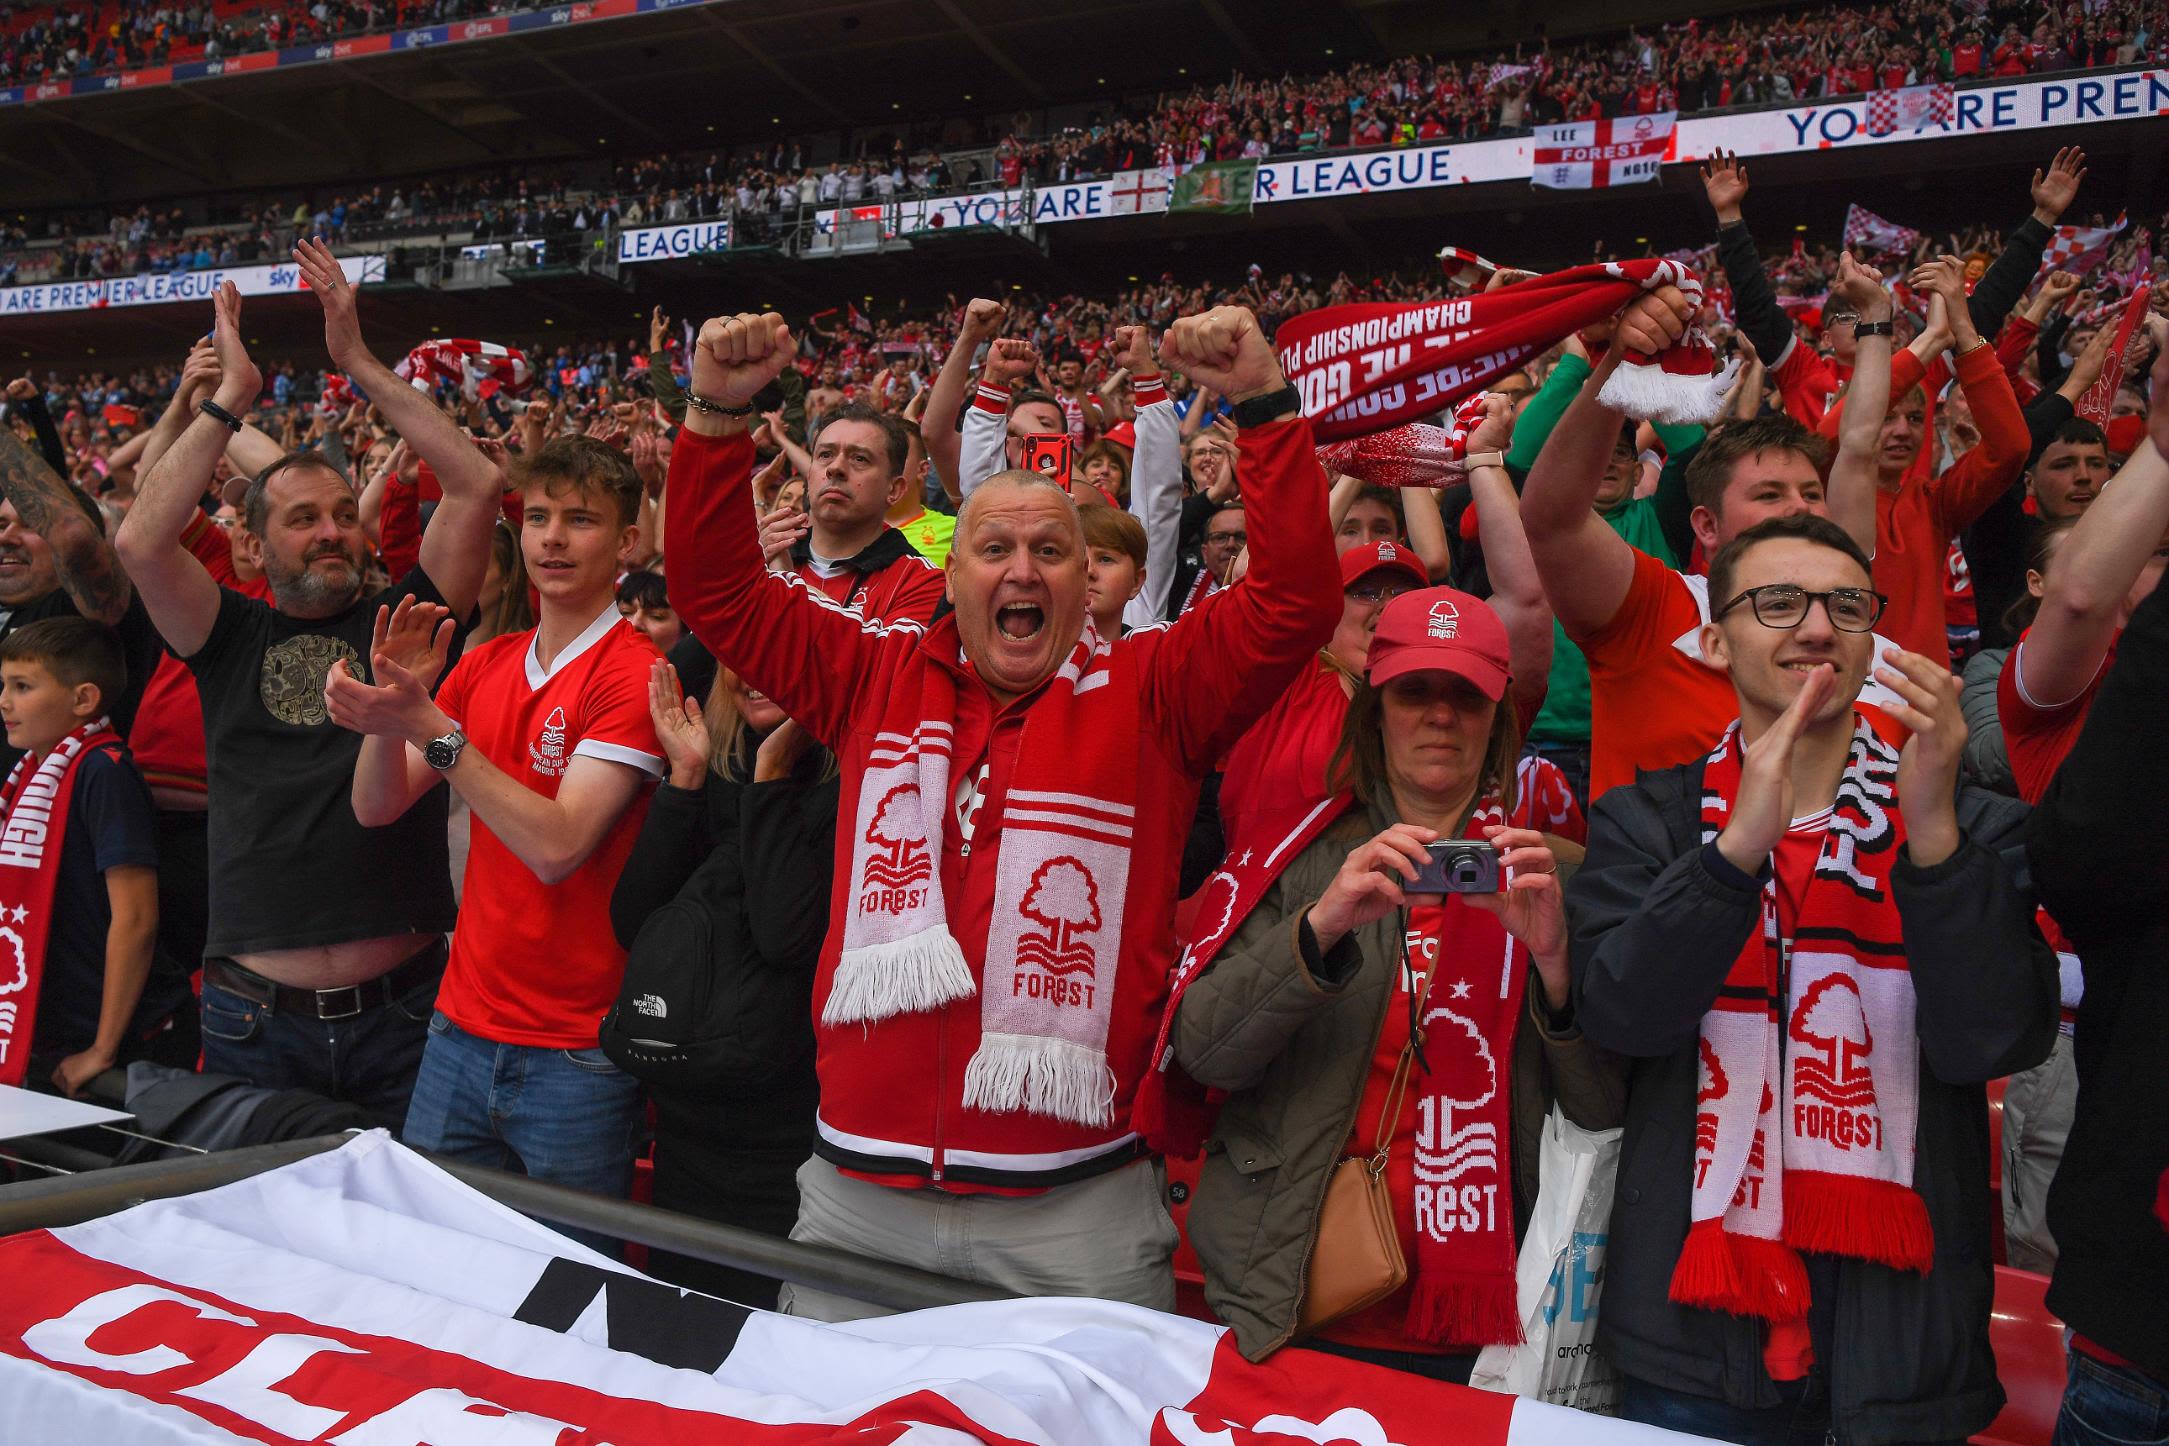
(441, 753)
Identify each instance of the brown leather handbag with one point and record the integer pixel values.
(1356, 1261)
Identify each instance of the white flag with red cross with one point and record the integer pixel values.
(1585, 155)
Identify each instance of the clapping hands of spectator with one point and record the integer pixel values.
(2054, 189)
(1861, 288)
(1946, 278)
(1724, 181)
(342, 326)
(780, 531)
(651, 459)
(679, 726)
(239, 382)
(407, 651)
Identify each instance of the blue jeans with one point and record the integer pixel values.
(2108, 1405)
(368, 1059)
(568, 1116)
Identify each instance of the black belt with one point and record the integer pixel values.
(345, 1002)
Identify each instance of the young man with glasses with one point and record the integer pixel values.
(1655, 697)
(1816, 948)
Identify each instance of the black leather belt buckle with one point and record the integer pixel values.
(339, 1003)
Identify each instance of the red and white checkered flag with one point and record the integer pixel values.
(2079, 249)
(1912, 108)
(1867, 232)
(467, 362)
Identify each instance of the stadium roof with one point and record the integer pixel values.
(713, 73)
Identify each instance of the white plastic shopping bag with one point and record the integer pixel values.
(1559, 1276)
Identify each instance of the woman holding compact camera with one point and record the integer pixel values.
(1386, 1006)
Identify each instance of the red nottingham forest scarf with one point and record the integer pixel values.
(1808, 1100)
(1367, 366)
(1053, 942)
(33, 817)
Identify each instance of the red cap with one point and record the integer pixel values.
(2124, 435)
(1446, 630)
(1385, 555)
(1122, 434)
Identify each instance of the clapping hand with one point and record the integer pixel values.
(679, 726)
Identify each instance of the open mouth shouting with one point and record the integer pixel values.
(1021, 621)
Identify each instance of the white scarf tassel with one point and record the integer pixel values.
(1043, 1075)
(1649, 392)
(911, 975)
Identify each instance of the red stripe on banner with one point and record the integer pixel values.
(361, 45)
(259, 60)
(1299, 1392)
(124, 1331)
(155, 75)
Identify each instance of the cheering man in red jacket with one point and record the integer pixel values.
(1016, 792)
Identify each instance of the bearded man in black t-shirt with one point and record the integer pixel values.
(326, 939)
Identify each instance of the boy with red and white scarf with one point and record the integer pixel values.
(1016, 792)
(1816, 948)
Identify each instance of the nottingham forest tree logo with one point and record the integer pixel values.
(897, 861)
(1063, 898)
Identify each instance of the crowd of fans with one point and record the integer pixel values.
(1688, 66)
(827, 718)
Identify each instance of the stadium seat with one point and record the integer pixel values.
(2029, 1347)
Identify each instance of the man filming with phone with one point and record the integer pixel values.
(1816, 948)
(1379, 942)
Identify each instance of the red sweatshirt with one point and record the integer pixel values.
(1915, 523)
(892, 1092)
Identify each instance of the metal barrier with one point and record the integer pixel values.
(49, 1204)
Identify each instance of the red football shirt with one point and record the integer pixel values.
(2037, 738)
(534, 963)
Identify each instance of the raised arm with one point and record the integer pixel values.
(1754, 303)
(761, 625)
(1965, 490)
(1516, 592)
(2093, 572)
(456, 544)
(1223, 665)
(1867, 402)
(2015, 266)
(986, 423)
(1155, 475)
(182, 597)
(938, 428)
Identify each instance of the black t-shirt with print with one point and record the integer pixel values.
(140, 645)
(290, 865)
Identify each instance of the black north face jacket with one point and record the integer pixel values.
(1657, 920)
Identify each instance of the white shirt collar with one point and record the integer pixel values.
(592, 634)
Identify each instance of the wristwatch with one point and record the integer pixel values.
(1483, 459)
(442, 753)
(1259, 410)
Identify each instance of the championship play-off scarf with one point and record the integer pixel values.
(1365, 367)
(1461, 1282)
(1048, 985)
(1810, 1069)
(34, 806)
(467, 363)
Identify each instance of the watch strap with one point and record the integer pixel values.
(1259, 410)
(1484, 459)
(448, 748)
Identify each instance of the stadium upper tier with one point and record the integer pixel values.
(1691, 67)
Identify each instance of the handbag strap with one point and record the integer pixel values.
(1389, 1118)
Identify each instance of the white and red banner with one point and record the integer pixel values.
(2079, 249)
(365, 1298)
(1867, 233)
(478, 368)
(1910, 109)
(1616, 151)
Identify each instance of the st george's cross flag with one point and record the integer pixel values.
(1911, 108)
(365, 1298)
(1615, 151)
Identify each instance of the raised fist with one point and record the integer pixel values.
(1009, 360)
(736, 356)
(1653, 321)
(984, 318)
(1132, 349)
(1861, 288)
(1223, 349)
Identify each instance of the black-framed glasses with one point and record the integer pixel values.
(1227, 539)
(1785, 605)
(1378, 592)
